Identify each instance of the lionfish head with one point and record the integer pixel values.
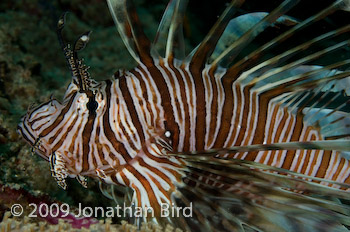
(37, 118)
(49, 119)
(44, 126)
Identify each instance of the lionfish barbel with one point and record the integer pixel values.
(252, 142)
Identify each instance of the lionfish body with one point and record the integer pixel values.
(253, 143)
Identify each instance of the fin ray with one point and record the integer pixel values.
(169, 40)
(200, 55)
(242, 195)
(227, 56)
(252, 59)
(128, 25)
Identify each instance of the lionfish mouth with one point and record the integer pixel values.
(24, 131)
(34, 141)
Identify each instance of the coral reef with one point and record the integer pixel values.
(26, 225)
(16, 195)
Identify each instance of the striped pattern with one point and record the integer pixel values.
(167, 105)
(127, 132)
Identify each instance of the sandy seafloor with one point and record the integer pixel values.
(32, 68)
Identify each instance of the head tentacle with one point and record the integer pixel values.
(76, 65)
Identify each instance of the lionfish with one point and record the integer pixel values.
(250, 140)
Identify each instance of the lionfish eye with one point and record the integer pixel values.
(92, 104)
